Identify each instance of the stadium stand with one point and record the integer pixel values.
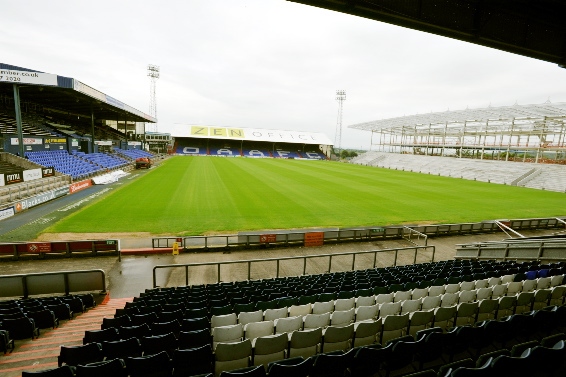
(539, 176)
(406, 344)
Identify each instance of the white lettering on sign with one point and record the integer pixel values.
(25, 77)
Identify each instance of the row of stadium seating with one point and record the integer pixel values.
(182, 355)
(227, 152)
(540, 176)
(79, 164)
(8, 125)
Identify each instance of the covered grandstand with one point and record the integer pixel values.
(525, 133)
(251, 142)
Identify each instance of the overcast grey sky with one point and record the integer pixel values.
(265, 63)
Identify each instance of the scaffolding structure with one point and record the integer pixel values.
(526, 133)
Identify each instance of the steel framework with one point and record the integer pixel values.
(528, 133)
(153, 74)
(340, 97)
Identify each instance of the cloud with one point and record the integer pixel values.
(266, 63)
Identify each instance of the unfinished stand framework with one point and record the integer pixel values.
(525, 133)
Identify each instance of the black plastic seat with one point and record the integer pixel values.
(88, 353)
(99, 336)
(139, 331)
(44, 319)
(156, 365)
(106, 368)
(152, 345)
(295, 367)
(120, 349)
(20, 328)
(62, 371)
(257, 371)
(193, 361)
(116, 322)
(194, 324)
(194, 339)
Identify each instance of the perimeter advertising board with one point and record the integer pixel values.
(6, 212)
(75, 187)
(26, 77)
(40, 199)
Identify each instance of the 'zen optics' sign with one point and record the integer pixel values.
(26, 77)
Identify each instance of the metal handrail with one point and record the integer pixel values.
(303, 257)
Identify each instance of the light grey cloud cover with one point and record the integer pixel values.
(265, 63)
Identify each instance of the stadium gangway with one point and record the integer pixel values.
(249, 262)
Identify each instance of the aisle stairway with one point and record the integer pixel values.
(41, 353)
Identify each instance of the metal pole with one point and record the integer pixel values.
(18, 119)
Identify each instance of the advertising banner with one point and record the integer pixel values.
(6, 212)
(56, 141)
(40, 199)
(48, 172)
(12, 178)
(26, 77)
(2, 182)
(75, 187)
(267, 238)
(39, 247)
(26, 140)
(32, 174)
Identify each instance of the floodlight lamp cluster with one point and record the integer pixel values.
(341, 95)
(153, 71)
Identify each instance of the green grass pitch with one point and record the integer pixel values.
(200, 195)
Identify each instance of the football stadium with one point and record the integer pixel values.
(224, 251)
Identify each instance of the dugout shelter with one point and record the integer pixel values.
(218, 141)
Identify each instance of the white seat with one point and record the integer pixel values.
(365, 301)
(436, 290)
(467, 296)
(366, 333)
(487, 309)
(270, 348)
(409, 306)
(223, 320)
(389, 308)
(524, 302)
(227, 334)
(452, 288)
(499, 291)
(342, 317)
(557, 294)
(556, 280)
(444, 317)
(314, 321)
(493, 281)
(420, 320)
(507, 279)
(383, 298)
(256, 329)
(467, 285)
(430, 302)
(288, 324)
(273, 314)
(402, 296)
(543, 283)
(229, 356)
(466, 313)
(323, 307)
(305, 343)
(449, 299)
(247, 317)
(541, 298)
(481, 283)
(484, 293)
(337, 338)
(301, 310)
(514, 287)
(364, 313)
(529, 285)
(344, 304)
(506, 306)
(394, 326)
(419, 293)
